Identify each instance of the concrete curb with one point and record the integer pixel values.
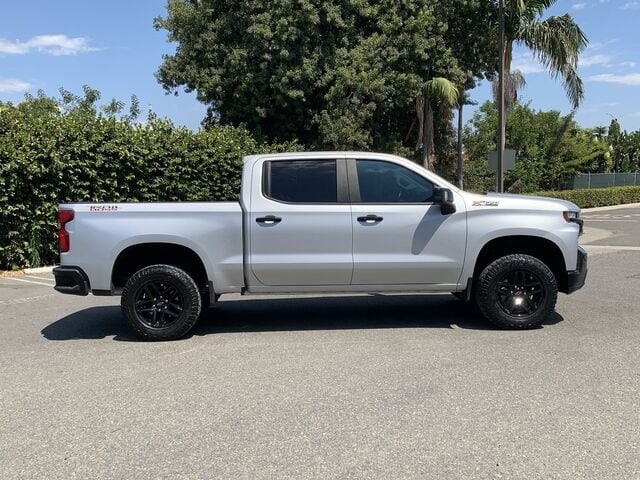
(611, 207)
(27, 271)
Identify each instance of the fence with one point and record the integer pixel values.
(602, 180)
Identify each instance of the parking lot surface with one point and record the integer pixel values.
(332, 387)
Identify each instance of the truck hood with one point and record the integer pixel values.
(511, 200)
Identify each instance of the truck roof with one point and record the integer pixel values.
(320, 154)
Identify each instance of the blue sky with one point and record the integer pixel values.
(610, 66)
(113, 47)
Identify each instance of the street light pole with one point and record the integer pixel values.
(501, 113)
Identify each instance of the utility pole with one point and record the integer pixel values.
(460, 170)
(501, 113)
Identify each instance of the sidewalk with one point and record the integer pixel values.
(611, 207)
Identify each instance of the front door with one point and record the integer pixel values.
(300, 224)
(400, 237)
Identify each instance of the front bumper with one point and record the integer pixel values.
(577, 277)
(71, 280)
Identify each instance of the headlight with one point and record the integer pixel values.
(574, 217)
(571, 216)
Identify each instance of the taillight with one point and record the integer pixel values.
(64, 217)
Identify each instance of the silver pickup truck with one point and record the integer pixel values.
(324, 222)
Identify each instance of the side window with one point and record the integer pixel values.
(385, 182)
(301, 181)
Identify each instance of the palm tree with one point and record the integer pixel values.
(463, 99)
(437, 91)
(555, 41)
(513, 81)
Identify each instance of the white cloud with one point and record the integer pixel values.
(579, 6)
(628, 79)
(56, 45)
(631, 6)
(627, 64)
(526, 64)
(591, 60)
(12, 85)
(598, 107)
(594, 46)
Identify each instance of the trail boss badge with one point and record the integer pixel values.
(103, 208)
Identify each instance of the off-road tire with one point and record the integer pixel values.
(491, 304)
(186, 291)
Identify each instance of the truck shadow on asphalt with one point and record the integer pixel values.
(292, 314)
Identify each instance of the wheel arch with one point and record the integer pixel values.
(541, 248)
(137, 256)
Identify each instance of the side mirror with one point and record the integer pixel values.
(444, 198)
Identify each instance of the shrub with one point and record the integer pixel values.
(597, 197)
(50, 156)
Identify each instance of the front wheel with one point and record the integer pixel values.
(161, 302)
(517, 292)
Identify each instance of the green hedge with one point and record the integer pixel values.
(597, 197)
(48, 156)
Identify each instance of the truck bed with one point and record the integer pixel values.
(100, 232)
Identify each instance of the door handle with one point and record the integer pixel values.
(269, 220)
(370, 219)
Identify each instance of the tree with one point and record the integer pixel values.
(74, 149)
(463, 99)
(616, 139)
(513, 81)
(625, 147)
(556, 42)
(332, 73)
(634, 151)
(631, 161)
(549, 148)
(437, 91)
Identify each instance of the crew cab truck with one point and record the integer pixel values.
(324, 222)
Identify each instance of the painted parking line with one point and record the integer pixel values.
(611, 248)
(609, 220)
(48, 279)
(19, 301)
(27, 281)
(608, 216)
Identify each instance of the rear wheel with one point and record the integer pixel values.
(517, 292)
(161, 302)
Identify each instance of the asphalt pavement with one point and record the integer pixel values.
(331, 387)
(623, 226)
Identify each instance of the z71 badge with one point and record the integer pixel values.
(484, 203)
(103, 208)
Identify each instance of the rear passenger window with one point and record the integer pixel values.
(301, 181)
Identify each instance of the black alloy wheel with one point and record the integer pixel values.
(161, 302)
(520, 293)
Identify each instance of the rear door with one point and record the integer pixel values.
(400, 237)
(300, 222)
